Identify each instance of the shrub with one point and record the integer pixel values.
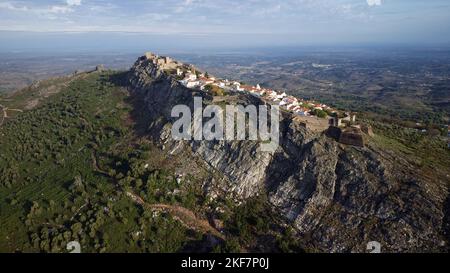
(215, 90)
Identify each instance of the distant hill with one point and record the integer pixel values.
(18, 71)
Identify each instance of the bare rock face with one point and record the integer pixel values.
(338, 197)
(161, 93)
(352, 136)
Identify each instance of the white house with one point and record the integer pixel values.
(301, 111)
(190, 76)
(290, 100)
(192, 84)
(291, 107)
(271, 94)
(281, 96)
(237, 86)
(205, 81)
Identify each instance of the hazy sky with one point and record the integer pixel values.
(266, 21)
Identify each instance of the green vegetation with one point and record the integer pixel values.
(67, 166)
(427, 151)
(53, 184)
(381, 111)
(320, 113)
(255, 221)
(215, 90)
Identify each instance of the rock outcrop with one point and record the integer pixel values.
(352, 136)
(338, 197)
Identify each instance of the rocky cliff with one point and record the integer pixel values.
(338, 197)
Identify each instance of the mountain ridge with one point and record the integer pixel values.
(310, 178)
(336, 197)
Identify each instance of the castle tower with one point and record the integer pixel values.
(149, 55)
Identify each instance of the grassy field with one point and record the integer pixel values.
(428, 153)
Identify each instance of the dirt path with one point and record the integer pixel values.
(97, 168)
(2, 109)
(5, 113)
(185, 216)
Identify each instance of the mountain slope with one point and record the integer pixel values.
(341, 196)
(73, 166)
(64, 168)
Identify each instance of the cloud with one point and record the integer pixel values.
(267, 11)
(69, 7)
(59, 9)
(11, 6)
(73, 2)
(50, 10)
(374, 2)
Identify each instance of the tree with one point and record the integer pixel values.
(215, 90)
(138, 183)
(76, 228)
(320, 113)
(231, 246)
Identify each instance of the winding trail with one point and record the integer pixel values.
(183, 215)
(5, 112)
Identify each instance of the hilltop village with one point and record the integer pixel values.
(311, 114)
